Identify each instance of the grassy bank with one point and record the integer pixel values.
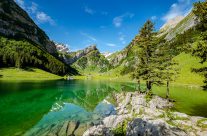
(26, 74)
(186, 76)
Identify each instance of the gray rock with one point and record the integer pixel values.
(139, 127)
(160, 103)
(113, 120)
(99, 130)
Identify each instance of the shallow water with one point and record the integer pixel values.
(28, 107)
(37, 108)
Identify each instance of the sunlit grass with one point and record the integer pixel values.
(186, 76)
(29, 74)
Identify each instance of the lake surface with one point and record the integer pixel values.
(38, 108)
(31, 107)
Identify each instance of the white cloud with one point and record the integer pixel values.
(44, 18)
(111, 44)
(122, 38)
(39, 16)
(33, 8)
(153, 17)
(180, 8)
(89, 10)
(117, 21)
(91, 38)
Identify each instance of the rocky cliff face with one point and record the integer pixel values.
(62, 48)
(72, 57)
(91, 60)
(16, 23)
(170, 25)
(178, 26)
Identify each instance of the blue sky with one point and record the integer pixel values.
(111, 24)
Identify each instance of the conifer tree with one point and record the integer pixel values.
(167, 67)
(145, 66)
(200, 46)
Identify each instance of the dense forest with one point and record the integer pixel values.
(22, 54)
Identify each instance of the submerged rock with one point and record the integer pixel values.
(105, 109)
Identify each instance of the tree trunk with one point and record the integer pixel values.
(139, 87)
(168, 90)
(149, 86)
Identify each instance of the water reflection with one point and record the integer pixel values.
(26, 105)
(70, 114)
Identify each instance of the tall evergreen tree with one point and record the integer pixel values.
(167, 67)
(200, 46)
(200, 10)
(145, 69)
(155, 64)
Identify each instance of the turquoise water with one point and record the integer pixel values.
(25, 107)
(40, 108)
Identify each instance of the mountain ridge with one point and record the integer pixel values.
(16, 23)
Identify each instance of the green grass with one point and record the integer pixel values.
(186, 76)
(29, 74)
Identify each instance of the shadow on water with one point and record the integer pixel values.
(199, 110)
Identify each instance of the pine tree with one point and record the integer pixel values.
(200, 10)
(167, 67)
(200, 46)
(145, 69)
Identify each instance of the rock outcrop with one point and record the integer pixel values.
(178, 26)
(74, 56)
(170, 24)
(87, 60)
(16, 23)
(62, 48)
(142, 115)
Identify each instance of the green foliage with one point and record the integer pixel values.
(200, 46)
(121, 129)
(92, 62)
(201, 123)
(200, 10)
(22, 54)
(148, 96)
(145, 66)
(155, 63)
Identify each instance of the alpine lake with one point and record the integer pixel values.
(34, 108)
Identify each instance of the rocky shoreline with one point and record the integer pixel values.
(144, 115)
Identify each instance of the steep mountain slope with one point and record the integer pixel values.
(88, 60)
(16, 23)
(185, 24)
(23, 44)
(72, 57)
(169, 25)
